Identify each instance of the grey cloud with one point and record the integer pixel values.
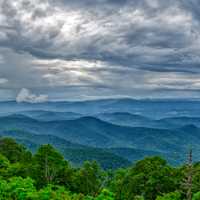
(192, 6)
(132, 40)
(98, 45)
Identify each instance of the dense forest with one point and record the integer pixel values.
(46, 175)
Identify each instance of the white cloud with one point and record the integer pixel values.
(25, 95)
(3, 80)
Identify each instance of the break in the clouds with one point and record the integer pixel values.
(99, 48)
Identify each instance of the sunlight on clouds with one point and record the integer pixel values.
(77, 72)
(69, 63)
(121, 47)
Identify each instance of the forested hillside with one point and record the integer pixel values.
(46, 175)
(89, 133)
(114, 132)
(99, 150)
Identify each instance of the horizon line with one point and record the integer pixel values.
(107, 99)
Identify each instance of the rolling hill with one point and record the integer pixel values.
(128, 128)
(97, 134)
(44, 115)
(117, 118)
(75, 153)
(153, 108)
(91, 131)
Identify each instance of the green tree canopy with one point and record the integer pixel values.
(47, 162)
(14, 151)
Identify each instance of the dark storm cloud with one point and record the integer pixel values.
(99, 44)
(192, 6)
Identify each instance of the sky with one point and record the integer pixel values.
(90, 49)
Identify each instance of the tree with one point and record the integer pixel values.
(14, 151)
(17, 188)
(148, 178)
(89, 178)
(4, 165)
(47, 163)
(65, 176)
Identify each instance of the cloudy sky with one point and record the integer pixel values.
(85, 49)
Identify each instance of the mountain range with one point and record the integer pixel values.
(109, 131)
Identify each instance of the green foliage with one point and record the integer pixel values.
(89, 178)
(16, 188)
(150, 177)
(48, 176)
(105, 195)
(170, 196)
(13, 151)
(47, 163)
(138, 198)
(4, 165)
(196, 196)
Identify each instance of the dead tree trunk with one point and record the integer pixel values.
(188, 177)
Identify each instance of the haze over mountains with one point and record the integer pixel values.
(115, 132)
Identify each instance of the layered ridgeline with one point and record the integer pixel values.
(114, 132)
(73, 152)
